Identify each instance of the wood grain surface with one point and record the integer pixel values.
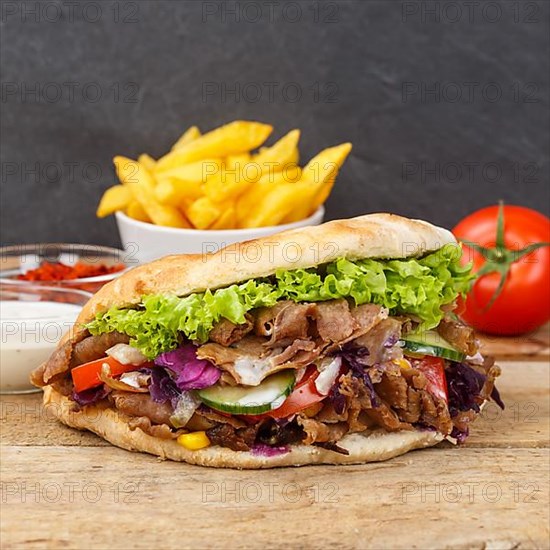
(534, 346)
(65, 489)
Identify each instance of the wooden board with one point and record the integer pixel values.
(66, 489)
(534, 346)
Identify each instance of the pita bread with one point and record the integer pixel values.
(112, 425)
(369, 236)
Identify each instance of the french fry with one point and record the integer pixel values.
(226, 186)
(235, 177)
(291, 173)
(335, 155)
(113, 199)
(147, 161)
(233, 138)
(203, 213)
(173, 191)
(283, 152)
(185, 181)
(276, 204)
(186, 203)
(248, 201)
(196, 172)
(136, 211)
(188, 136)
(227, 219)
(236, 162)
(319, 174)
(324, 166)
(167, 193)
(141, 183)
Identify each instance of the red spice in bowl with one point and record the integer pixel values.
(57, 271)
(67, 265)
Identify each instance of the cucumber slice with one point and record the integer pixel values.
(269, 395)
(431, 343)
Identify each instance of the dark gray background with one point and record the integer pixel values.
(361, 56)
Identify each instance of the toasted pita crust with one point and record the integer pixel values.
(112, 425)
(369, 236)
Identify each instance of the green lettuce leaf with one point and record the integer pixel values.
(415, 286)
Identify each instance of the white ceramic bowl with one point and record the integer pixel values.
(146, 242)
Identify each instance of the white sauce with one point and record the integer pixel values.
(29, 333)
(252, 371)
(330, 368)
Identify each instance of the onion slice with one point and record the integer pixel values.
(108, 380)
(185, 408)
(126, 354)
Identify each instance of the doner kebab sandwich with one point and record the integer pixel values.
(333, 344)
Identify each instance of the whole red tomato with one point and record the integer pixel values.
(512, 294)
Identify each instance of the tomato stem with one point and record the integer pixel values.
(500, 259)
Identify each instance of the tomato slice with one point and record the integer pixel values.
(86, 376)
(433, 368)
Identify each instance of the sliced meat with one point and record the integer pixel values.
(329, 415)
(141, 404)
(299, 334)
(199, 423)
(331, 322)
(276, 433)
(227, 379)
(226, 333)
(245, 361)
(366, 316)
(300, 352)
(72, 354)
(264, 318)
(317, 432)
(162, 431)
(334, 321)
(249, 361)
(435, 413)
(63, 385)
(57, 364)
(413, 410)
(459, 335)
(237, 439)
(381, 342)
(94, 347)
(413, 403)
(214, 416)
(492, 372)
(359, 401)
(387, 418)
(403, 401)
(290, 322)
(394, 390)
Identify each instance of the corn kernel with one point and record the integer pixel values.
(403, 363)
(194, 441)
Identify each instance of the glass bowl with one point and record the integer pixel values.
(33, 318)
(19, 259)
